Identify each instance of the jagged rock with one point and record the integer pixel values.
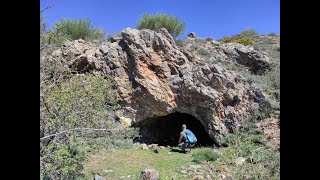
(149, 174)
(257, 61)
(192, 35)
(155, 77)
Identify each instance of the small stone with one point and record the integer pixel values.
(144, 146)
(223, 168)
(195, 166)
(197, 177)
(107, 170)
(184, 171)
(199, 173)
(97, 177)
(169, 153)
(240, 160)
(222, 176)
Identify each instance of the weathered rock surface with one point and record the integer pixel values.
(155, 77)
(257, 61)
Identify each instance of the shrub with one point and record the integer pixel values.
(249, 33)
(261, 161)
(261, 114)
(208, 39)
(204, 155)
(182, 42)
(77, 101)
(194, 47)
(203, 52)
(272, 34)
(80, 101)
(242, 40)
(245, 37)
(157, 21)
(76, 29)
(60, 161)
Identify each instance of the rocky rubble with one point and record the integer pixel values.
(257, 61)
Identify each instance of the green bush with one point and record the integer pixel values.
(61, 161)
(245, 37)
(157, 21)
(272, 34)
(261, 161)
(204, 155)
(249, 33)
(181, 42)
(76, 29)
(80, 101)
(240, 40)
(203, 52)
(208, 39)
(76, 101)
(67, 29)
(261, 114)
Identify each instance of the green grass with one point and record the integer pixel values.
(204, 155)
(261, 162)
(130, 162)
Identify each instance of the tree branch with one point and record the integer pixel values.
(47, 7)
(79, 129)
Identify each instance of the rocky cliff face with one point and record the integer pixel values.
(155, 77)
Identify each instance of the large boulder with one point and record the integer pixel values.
(155, 77)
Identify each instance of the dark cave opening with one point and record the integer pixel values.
(165, 130)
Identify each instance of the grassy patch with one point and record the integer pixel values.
(261, 162)
(204, 155)
(130, 162)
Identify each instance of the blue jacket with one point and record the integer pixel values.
(191, 138)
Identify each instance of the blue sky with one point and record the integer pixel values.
(207, 18)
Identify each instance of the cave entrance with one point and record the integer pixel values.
(165, 130)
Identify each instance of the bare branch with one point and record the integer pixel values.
(47, 7)
(79, 129)
(43, 47)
